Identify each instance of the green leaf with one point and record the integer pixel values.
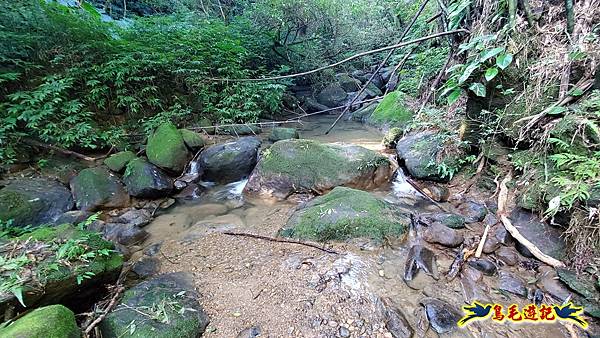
(491, 73)
(504, 60)
(478, 89)
(490, 53)
(556, 110)
(454, 95)
(467, 73)
(576, 92)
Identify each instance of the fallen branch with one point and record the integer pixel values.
(417, 188)
(482, 242)
(106, 311)
(436, 82)
(353, 57)
(62, 151)
(502, 213)
(281, 240)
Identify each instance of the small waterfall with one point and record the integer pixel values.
(401, 187)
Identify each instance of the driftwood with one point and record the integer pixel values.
(62, 151)
(482, 242)
(281, 240)
(502, 214)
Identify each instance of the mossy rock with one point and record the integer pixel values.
(348, 83)
(332, 96)
(241, 130)
(193, 140)
(278, 134)
(54, 321)
(392, 111)
(97, 189)
(307, 166)
(145, 180)
(364, 114)
(166, 148)
(346, 213)
(391, 137)
(373, 91)
(207, 126)
(33, 201)
(117, 162)
(50, 280)
(182, 315)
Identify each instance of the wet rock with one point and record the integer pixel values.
(545, 237)
(472, 211)
(229, 162)
(166, 149)
(391, 137)
(98, 189)
(192, 140)
(153, 249)
(278, 134)
(507, 255)
(332, 96)
(437, 193)
(174, 292)
(474, 291)
(396, 323)
(117, 162)
(191, 192)
(441, 234)
(33, 201)
(581, 283)
(73, 217)
(306, 166)
(450, 220)
(54, 321)
(420, 259)
(146, 267)
(363, 114)
(145, 180)
(512, 283)
(311, 105)
(125, 234)
(251, 332)
(442, 316)
(345, 213)
(419, 153)
(483, 265)
(135, 217)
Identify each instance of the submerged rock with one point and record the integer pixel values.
(420, 154)
(54, 321)
(420, 259)
(181, 314)
(144, 180)
(345, 213)
(443, 317)
(305, 166)
(166, 148)
(33, 201)
(546, 237)
(117, 162)
(396, 322)
(278, 134)
(229, 162)
(98, 189)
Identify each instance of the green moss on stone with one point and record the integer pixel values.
(278, 134)
(192, 139)
(166, 148)
(392, 111)
(54, 321)
(118, 161)
(16, 206)
(346, 213)
(392, 136)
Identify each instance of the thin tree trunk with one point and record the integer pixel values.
(512, 13)
(570, 16)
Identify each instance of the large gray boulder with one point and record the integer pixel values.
(97, 189)
(332, 96)
(546, 237)
(229, 162)
(181, 314)
(33, 201)
(307, 166)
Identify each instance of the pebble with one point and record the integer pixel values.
(483, 265)
(507, 255)
(344, 332)
(381, 273)
(441, 234)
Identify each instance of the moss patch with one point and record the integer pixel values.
(17, 206)
(192, 139)
(166, 148)
(346, 213)
(54, 321)
(118, 161)
(392, 111)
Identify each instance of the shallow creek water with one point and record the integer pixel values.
(246, 282)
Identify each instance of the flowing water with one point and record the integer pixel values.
(246, 282)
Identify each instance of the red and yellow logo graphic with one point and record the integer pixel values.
(531, 313)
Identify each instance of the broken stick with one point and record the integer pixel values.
(502, 213)
(280, 240)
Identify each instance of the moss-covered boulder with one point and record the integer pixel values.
(145, 180)
(346, 213)
(348, 83)
(424, 153)
(117, 162)
(332, 96)
(306, 166)
(192, 140)
(166, 148)
(97, 189)
(241, 130)
(392, 111)
(363, 114)
(54, 321)
(391, 137)
(180, 313)
(56, 264)
(278, 134)
(33, 201)
(231, 161)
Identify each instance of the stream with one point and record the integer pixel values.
(287, 290)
